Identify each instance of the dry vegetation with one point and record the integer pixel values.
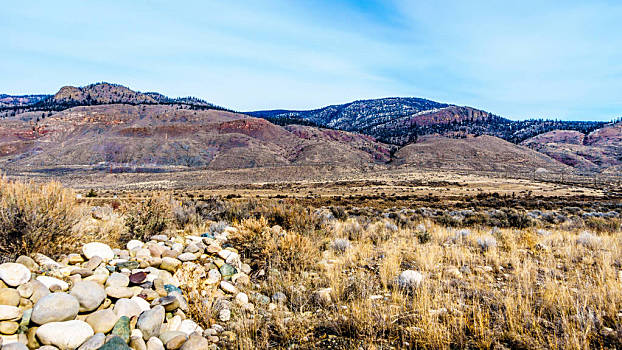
(329, 276)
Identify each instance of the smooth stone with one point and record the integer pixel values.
(39, 290)
(98, 249)
(14, 274)
(142, 303)
(74, 259)
(51, 282)
(155, 344)
(195, 342)
(65, 335)
(115, 343)
(9, 296)
(127, 307)
(241, 298)
(28, 262)
(138, 277)
(130, 265)
(188, 326)
(170, 264)
(14, 346)
(228, 287)
(8, 312)
(171, 288)
(187, 257)
(183, 304)
(102, 321)
(92, 263)
(168, 335)
(122, 328)
(117, 279)
(55, 307)
(176, 342)
(45, 261)
(119, 292)
(8, 327)
(138, 343)
(169, 302)
(89, 294)
(93, 343)
(135, 332)
(227, 270)
(134, 244)
(150, 322)
(25, 290)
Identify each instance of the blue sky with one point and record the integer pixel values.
(516, 59)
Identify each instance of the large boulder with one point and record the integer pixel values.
(65, 335)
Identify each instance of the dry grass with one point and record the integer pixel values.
(524, 290)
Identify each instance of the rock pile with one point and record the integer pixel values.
(127, 298)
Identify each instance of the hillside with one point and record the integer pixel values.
(401, 121)
(119, 135)
(600, 150)
(482, 153)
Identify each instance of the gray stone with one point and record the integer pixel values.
(93, 343)
(89, 294)
(55, 307)
(150, 322)
(117, 279)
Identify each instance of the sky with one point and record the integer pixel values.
(517, 59)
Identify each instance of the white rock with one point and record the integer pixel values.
(98, 249)
(186, 257)
(136, 333)
(14, 274)
(133, 244)
(188, 326)
(228, 287)
(127, 307)
(142, 303)
(51, 281)
(241, 298)
(65, 335)
(224, 315)
(155, 344)
(8, 312)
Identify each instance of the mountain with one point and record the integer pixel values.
(400, 121)
(599, 150)
(20, 100)
(111, 127)
(158, 136)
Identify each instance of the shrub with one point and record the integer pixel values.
(150, 217)
(341, 244)
(264, 247)
(588, 240)
(34, 215)
(487, 242)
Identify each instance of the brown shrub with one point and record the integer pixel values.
(34, 215)
(150, 217)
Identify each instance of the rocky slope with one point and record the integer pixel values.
(600, 150)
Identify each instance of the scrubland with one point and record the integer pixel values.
(332, 276)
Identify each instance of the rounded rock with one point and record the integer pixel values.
(150, 322)
(65, 335)
(55, 307)
(89, 294)
(98, 249)
(93, 343)
(9, 296)
(8, 312)
(102, 321)
(14, 274)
